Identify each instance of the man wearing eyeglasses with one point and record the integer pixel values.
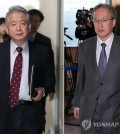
(97, 93)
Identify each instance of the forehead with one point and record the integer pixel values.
(15, 15)
(102, 12)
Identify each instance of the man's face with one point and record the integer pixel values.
(18, 27)
(103, 23)
(35, 23)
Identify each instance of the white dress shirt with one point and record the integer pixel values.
(24, 85)
(108, 43)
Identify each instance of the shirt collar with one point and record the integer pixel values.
(108, 42)
(14, 46)
(32, 36)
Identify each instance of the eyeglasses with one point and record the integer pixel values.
(102, 20)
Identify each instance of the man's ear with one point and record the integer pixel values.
(114, 22)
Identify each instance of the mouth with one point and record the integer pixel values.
(18, 34)
(100, 31)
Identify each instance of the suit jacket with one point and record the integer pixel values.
(38, 56)
(92, 92)
(42, 39)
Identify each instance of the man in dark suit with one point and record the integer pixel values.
(97, 94)
(37, 17)
(21, 110)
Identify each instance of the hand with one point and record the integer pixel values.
(40, 93)
(76, 112)
(51, 96)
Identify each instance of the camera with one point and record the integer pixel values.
(85, 28)
(81, 16)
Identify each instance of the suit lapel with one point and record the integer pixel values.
(6, 62)
(31, 57)
(6, 66)
(92, 56)
(113, 57)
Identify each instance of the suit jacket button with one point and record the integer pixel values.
(101, 84)
(97, 98)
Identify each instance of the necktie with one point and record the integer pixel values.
(103, 60)
(16, 78)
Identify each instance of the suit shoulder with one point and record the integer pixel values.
(4, 49)
(43, 36)
(42, 39)
(37, 45)
(88, 42)
(4, 44)
(116, 37)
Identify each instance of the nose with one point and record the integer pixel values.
(18, 27)
(100, 22)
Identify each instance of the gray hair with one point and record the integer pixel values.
(17, 8)
(110, 8)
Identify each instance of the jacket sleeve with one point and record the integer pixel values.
(80, 80)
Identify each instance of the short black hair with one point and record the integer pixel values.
(2, 20)
(36, 12)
